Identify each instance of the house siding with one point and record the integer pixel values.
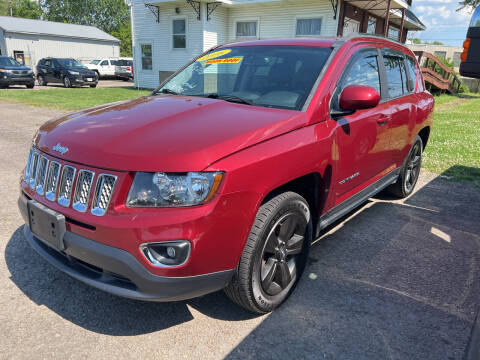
(276, 19)
(3, 48)
(36, 47)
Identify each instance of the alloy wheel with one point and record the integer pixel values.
(282, 247)
(414, 163)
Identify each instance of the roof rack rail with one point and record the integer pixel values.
(365, 35)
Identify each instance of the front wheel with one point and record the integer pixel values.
(410, 171)
(41, 80)
(274, 256)
(93, 86)
(66, 82)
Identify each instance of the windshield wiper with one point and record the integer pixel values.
(230, 98)
(167, 91)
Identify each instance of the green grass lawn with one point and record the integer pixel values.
(70, 99)
(453, 149)
(454, 146)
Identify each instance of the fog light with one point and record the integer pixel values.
(168, 253)
(171, 251)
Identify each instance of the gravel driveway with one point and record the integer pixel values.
(395, 280)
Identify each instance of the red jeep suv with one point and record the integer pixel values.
(221, 178)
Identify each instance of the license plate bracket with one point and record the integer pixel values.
(46, 224)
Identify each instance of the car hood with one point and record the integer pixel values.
(163, 133)
(21, 68)
(80, 69)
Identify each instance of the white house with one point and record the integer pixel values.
(168, 33)
(30, 40)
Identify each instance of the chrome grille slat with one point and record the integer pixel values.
(41, 174)
(33, 170)
(103, 194)
(29, 165)
(66, 185)
(52, 180)
(82, 190)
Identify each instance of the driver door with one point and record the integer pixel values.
(362, 137)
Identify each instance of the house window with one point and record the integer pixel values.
(246, 29)
(350, 26)
(393, 33)
(440, 54)
(146, 56)
(309, 27)
(456, 59)
(179, 34)
(372, 25)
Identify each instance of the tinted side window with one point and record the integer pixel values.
(104, 63)
(363, 71)
(47, 63)
(396, 75)
(412, 72)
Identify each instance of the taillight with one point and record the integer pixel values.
(129, 68)
(466, 47)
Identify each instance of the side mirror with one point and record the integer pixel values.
(358, 97)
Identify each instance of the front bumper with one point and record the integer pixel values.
(117, 271)
(83, 80)
(16, 80)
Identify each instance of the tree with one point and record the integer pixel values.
(21, 8)
(437, 43)
(472, 4)
(112, 16)
(26, 9)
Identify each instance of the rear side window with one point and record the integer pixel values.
(412, 73)
(363, 71)
(396, 75)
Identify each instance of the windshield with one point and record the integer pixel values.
(476, 18)
(6, 61)
(70, 63)
(95, 62)
(270, 76)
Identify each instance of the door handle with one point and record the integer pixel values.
(382, 121)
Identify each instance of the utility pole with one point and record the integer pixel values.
(11, 7)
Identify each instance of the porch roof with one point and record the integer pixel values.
(379, 9)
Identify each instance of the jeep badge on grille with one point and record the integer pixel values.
(60, 149)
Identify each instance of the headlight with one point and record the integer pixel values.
(73, 72)
(6, 71)
(173, 189)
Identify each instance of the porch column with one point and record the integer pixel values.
(387, 18)
(400, 36)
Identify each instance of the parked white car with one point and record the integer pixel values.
(105, 67)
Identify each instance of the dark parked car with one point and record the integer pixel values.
(68, 72)
(14, 73)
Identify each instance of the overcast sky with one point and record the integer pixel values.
(443, 22)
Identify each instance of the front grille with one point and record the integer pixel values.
(103, 194)
(82, 192)
(61, 183)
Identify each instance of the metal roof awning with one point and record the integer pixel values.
(379, 9)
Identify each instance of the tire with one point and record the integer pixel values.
(126, 79)
(407, 180)
(266, 256)
(66, 82)
(30, 86)
(93, 86)
(41, 81)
